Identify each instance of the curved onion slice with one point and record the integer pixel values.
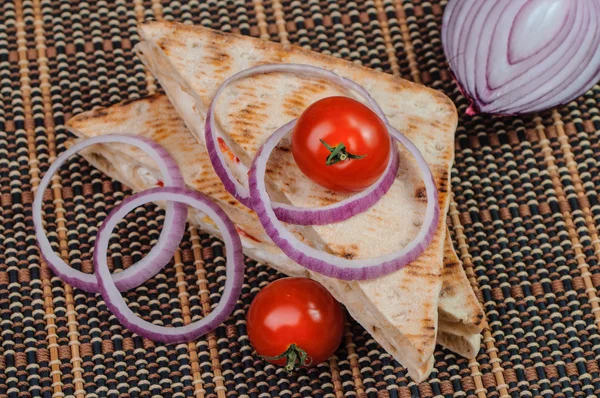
(325, 263)
(519, 56)
(342, 210)
(288, 213)
(234, 267)
(161, 253)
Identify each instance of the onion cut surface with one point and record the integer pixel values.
(520, 56)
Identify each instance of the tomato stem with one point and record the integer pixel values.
(339, 153)
(295, 357)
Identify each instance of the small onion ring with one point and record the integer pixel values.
(285, 212)
(234, 266)
(333, 213)
(328, 264)
(161, 253)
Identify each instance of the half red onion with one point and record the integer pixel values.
(234, 266)
(336, 212)
(171, 234)
(519, 56)
(325, 263)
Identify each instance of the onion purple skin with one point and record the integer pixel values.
(472, 109)
(522, 56)
(290, 214)
(161, 253)
(234, 267)
(329, 264)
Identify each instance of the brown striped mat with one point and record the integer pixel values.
(524, 218)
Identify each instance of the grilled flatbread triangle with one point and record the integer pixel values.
(191, 62)
(155, 118)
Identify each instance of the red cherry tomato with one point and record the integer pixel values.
(329, 123)
(295, 322)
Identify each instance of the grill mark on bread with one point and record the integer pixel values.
(163, 130)
(449, 266)
(447, 290)
(414, 271)
(223, 35)
(300, 98)
(250, 86)
(163, 45)
(246, 122)
(207, 182)
(349, 252)
(375, 218)
(421, 194)
(280, 55)
(98, 113)
(325, 200)
(244, 140)
(437, 125)
(444, 174)
(220, 60)
(288, 188)
(295, 103)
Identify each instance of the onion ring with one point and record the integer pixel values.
(325, 263)
(285, 212)
(234, 267)
(161, 253)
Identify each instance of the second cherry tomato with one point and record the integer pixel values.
(341, 144)
(295, 322)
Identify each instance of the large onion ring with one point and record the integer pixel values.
(234, 267)
(325, 263)
(171, 234)
(285, 212)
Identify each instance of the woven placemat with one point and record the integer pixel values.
(524, 215)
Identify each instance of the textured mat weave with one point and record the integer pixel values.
(524, 218)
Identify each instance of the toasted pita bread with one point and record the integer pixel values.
(458, 302)
(154, 118)
(191, 62)
(465, 345)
